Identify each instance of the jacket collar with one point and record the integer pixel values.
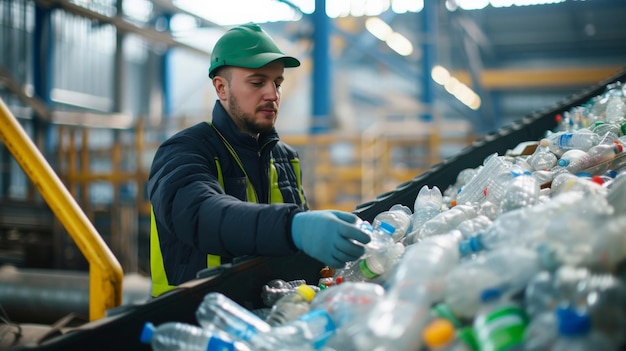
(224, 123)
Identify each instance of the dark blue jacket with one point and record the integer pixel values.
(195, 216)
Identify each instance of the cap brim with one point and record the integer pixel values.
(260, 60)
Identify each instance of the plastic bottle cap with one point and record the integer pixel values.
(563, 162)
(438, 333)
(306, 291)
(217, 344)
(490, 294)
(147, 333)
(571, 322)
(623, 128)
(466, 334)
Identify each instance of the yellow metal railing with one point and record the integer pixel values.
(105, 272)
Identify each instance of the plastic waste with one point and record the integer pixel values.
(575, 333)
(277, 288)
(500, 322)
(427, 205)
(172, 336)
(581, 139)
(522, 191)
(542, 158)
(474, 190)
(291, 306)
(392, 323)
(509, 268)
(398, 216)
(448, 220)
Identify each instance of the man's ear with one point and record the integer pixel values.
(220, 84)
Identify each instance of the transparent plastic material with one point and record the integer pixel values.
(172, 336)
(509, 268)
(291, 306)
(542, 158)
(582, 139)
(473, 191)
(398, 216)
(414, 284)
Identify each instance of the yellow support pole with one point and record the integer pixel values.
(105, 272)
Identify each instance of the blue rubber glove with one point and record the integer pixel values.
(329, 236)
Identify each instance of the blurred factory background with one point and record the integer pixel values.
(387, 89)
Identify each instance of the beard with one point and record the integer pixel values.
(245, 120)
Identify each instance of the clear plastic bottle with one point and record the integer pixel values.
(291, 306)
(500, 322)
(347, 304)
(615, 109)
(582, 139)
(173, 336)
(522, 191)
(473, 191)
(277, 288)
(542, 158)
(540, 294)
(217, 311)
(398, 216)
(575, 160)
(541, 332)
(576, 333)
(427, 205)
(510, 268)
(394, 322)
(372, 265)
(448, 220)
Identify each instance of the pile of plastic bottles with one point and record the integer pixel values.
(525, 252)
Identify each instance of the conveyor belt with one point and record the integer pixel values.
(243, 281)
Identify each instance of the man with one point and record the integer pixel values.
(231, 188)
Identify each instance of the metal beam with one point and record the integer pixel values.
(533, 78)
(122, 25)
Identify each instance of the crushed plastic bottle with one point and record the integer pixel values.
(542, 158)
(291, 306)
(522, 191)
(448, 220)
(474, 190)
(277, 288)
(398, 216)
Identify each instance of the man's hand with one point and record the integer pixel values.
(329, 236)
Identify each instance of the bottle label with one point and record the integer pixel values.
(565, 139)
(501, 329)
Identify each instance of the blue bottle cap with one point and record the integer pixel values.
(563, 162)
(147, 333)
(217, 344)
(490, 294)
(571, 322)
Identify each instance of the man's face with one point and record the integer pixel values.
(251, 96)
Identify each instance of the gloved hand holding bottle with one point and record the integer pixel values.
(331, 237)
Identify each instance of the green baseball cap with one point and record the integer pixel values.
(247, 46)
